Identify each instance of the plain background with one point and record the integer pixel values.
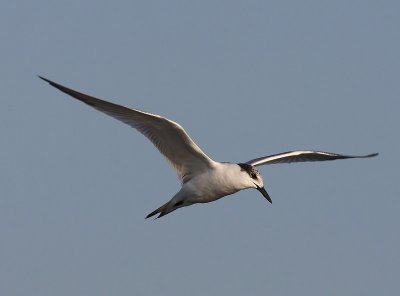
(246, 79)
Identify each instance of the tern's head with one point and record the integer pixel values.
(255, 179)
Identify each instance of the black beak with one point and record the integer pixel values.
(264, 193)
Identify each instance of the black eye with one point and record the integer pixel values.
(254, 176)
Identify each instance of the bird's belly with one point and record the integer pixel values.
(208, 188)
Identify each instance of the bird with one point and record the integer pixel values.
(202, 179)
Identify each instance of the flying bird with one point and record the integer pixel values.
(203, 179)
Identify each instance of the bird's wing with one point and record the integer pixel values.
(168, 136)
(302, 156)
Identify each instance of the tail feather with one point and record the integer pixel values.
(155, 212)
(162, 211)
(166, 208)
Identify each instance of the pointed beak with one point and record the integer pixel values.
(264, 193)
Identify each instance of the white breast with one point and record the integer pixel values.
(222, 180)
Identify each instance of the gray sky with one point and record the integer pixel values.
(246, 79)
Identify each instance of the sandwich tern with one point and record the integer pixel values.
(203, 179)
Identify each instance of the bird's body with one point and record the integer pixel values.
(203, 179)
(221, 180)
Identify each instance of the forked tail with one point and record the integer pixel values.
(166, 209)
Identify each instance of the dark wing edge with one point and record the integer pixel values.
(302, 156)
(89, 100)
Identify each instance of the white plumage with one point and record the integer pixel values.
(203, 179)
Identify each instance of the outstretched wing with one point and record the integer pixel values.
(302, 156)
(168, 136)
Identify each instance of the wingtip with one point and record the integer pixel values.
(45, 79)
(372, 155)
